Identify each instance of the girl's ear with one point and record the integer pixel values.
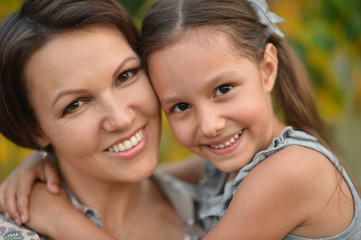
(270, 67)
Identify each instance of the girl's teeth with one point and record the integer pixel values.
(227, 143)
(127, 144)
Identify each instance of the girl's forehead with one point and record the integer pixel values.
(193, 42)
(198, 57)
(215, 38)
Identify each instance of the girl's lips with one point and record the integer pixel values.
(227, 146)
(227, 143)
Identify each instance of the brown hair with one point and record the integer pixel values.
(25, 32)
(167, 20)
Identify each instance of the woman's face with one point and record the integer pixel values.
(95, 106)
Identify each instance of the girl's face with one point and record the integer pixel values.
(217, 102)
(95, 106)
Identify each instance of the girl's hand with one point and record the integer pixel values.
(55, 217)
(46, 209)
(16, 189)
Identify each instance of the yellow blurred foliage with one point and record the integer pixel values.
(10, 154)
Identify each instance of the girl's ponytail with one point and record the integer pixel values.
(296, 101)
(294, 94)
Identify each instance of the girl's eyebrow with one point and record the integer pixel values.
(77, 91)
(211, 82)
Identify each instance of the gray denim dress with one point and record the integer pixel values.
(213, 200)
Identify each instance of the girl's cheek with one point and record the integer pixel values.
(181, 132)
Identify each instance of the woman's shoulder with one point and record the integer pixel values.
(9, 230)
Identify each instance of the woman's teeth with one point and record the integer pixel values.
(227, 143)
(127, 144)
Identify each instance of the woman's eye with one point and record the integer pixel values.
(180, 107)
(125, 76)
(72, 107)
(223, 90)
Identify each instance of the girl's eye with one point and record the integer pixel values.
(223, 90)
(181, 107)
(72, 107)
(125, 76)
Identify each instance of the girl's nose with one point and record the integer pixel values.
(210, 123)
(118, 115)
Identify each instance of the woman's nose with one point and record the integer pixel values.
(119, 115)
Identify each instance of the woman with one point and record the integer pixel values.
(72, 84)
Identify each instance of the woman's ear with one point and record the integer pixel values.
(42, 140)
(270, 67)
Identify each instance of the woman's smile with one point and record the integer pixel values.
(131, 147)
(127, 144)
(104, 109)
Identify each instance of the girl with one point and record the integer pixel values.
(216, 67)
(235, 93)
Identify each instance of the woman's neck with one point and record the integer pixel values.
(138, 207)
(116, 202)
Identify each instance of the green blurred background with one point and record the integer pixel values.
(326, 34)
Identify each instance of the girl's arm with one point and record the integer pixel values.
(189, 170)
(16, 189)
(275, 198)
(54, 216)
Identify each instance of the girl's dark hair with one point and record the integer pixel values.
(26, 31)
(167, 20)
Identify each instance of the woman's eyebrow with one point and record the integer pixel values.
(77, 91)
(68, 92)
(121, 65)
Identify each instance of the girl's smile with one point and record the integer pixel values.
(226, 146)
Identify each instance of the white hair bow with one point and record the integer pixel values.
(267, 17)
